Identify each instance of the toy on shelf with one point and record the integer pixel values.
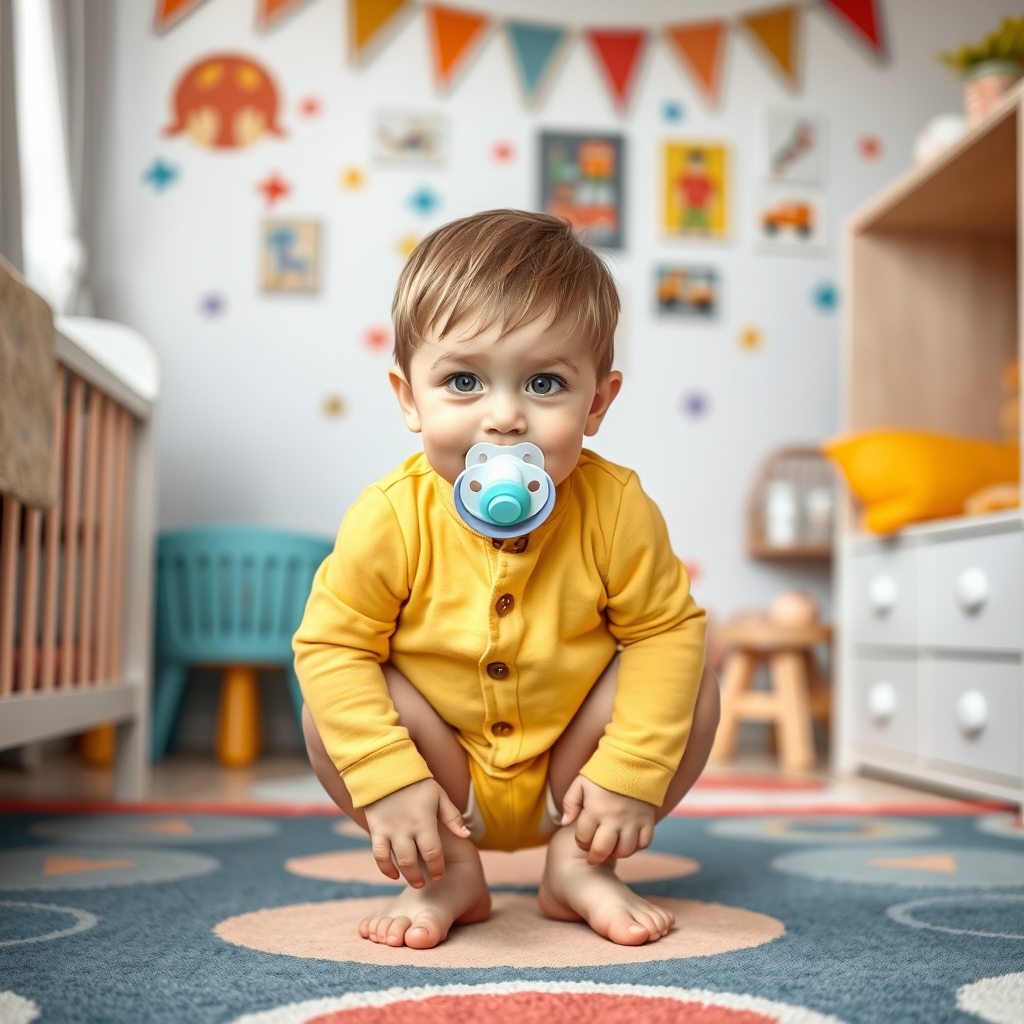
(791, 506)
(989, 67)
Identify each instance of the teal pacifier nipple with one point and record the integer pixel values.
(505, 503)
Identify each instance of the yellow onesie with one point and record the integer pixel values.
(504, 639)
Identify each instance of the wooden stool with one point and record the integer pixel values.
(798, 692)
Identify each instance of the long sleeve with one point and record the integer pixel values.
(662, 632)
(341, 644)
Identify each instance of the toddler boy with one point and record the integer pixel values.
(545, 689)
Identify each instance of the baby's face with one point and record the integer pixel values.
(535, 384)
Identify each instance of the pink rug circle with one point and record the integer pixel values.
(524, 867)
(515, 935)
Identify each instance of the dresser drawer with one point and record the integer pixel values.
(882, 592)
(979, 592)
(976, 717)
(885, 703)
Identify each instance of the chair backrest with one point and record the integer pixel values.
(233, 593)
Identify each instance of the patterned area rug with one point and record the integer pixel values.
(163, 914)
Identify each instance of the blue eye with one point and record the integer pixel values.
(544, 384)
(463, 383)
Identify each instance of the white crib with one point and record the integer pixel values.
(76, 580)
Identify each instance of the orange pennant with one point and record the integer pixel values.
(776, 31)
(454, 36)
(168, 13)
(700, 48)
(939, 862)
(76, 865)
(270, 12)
(619, 53)
(371, 23)
(164, 828)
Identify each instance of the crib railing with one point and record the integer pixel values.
(75, 579)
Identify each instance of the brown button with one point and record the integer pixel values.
(504, 604)
(502, 729)
(497, 670)
(496, 543)
(520, 544)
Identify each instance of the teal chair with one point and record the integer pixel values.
(229, 596)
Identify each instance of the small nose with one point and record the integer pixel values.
(504, 415)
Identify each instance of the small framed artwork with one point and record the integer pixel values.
(581, 180)
(697, 187)
(796, 147)
(790, 221)
(690, 291)
(290, 256)
(410, 137)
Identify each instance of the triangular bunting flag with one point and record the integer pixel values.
(270, 12)
(169, 12)
(371, 23)
(619, 54)
(700, 48)
(777, 33)
(536, 50)
(76, 865)
(164, 828)
(454, 36)
(942, 863)
(863, 20)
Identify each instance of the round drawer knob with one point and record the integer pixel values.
(882, 702)
(972, 590)
(971, 712)
(882, 594)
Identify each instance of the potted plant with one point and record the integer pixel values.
(989, 67)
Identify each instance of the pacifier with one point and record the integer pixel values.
(504, 492)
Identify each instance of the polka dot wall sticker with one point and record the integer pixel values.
(310, 106)
(998, 1000)
(693, 568)
(24, 923)
(822, 830)
(352, 178)
(503, 151)
(273, 188)
(694, 404)
(869, 147)
(93, 867)
(996, 916)
(539, 1002)
(825, 296)
(1010, 826)
(212, 305)
(515, 935)
(405, 245)
(378, 338)
(673, 111)
(15, 1009)
(160, 174)
(750, 338)
(333, 407)
(424, 200)
(155, 829)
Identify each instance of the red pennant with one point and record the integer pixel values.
(270, 12)
(167, 13)
(863, 18)
(618, 53)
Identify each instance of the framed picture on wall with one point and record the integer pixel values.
(581, 180)
(690, 291)
(789, 221)
(410, 137)
(796, 147)
(290, 256)
(697, 189)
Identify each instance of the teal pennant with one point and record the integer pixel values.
(535, 49)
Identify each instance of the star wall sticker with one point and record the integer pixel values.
(503, 151)
(825, 296)
(352, 178)
(310, 106)
(160, 174)
(212, 305)
(424, 200)
(273, 188)
(672, 110)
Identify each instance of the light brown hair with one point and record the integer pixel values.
(505, 268)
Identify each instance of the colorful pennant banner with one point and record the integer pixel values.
(862, 20)
(537, 51)
(700, 48)
(619, 54)
(270, 12)
(371, 23)
(777, 32)
(168, 13)
(455, 35)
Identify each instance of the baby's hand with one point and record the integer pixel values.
(609, 824)
(405, 823)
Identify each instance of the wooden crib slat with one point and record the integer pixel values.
(8, 585)
(90, 494)
(105, 524)
(72, 481)
(124, 438)
(29, 598)
(51, 541)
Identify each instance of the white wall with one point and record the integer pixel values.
(242, 435)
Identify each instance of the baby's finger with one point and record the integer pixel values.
(626, 846)
(409, 861)
(429, 844)
(586, 826)
(646, 837)
(451, 817)
(381, 846)
(603, 845)
(572, 802)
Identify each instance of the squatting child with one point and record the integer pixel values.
(464, 692)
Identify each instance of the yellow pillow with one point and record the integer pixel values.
(904, 476)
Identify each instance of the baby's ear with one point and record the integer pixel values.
(406, 399)
(607, 389)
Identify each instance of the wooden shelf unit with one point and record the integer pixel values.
(933, 285)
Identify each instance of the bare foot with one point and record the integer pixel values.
(572, 890)
(420, 918)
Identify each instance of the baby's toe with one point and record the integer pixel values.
(395, 935)
(364, 927)
(380, 933)
(626, 930)
(423, 933)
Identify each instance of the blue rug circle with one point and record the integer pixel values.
(154, 829)
(934, 867)
(58, 868)
(1006, 825)
(822, 829)
(22, 923)
(973, 912)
